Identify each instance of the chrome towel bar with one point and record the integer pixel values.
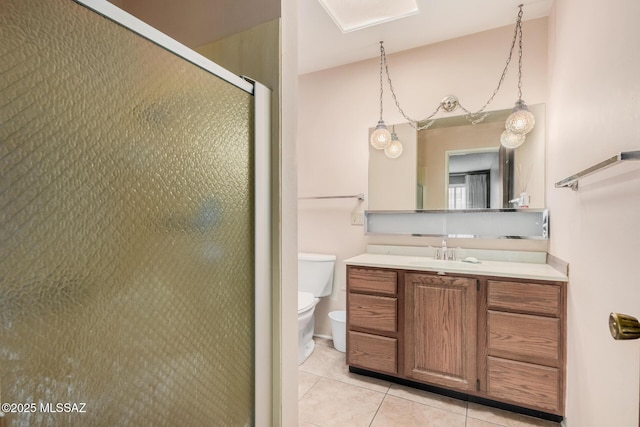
(355, 196)
(572, 181)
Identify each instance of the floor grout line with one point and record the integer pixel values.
(377, 410)
(310, 388)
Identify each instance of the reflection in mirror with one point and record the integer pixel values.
(473, 179)
(466, 154)
(431, 176)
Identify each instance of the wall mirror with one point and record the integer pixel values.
(458, 165)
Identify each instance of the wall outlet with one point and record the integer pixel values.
(357, 218)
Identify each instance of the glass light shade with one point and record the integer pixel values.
(394, 149)
(521, 121)
(512, 140)
(380, 137)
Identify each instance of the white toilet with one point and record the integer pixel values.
(315, 280)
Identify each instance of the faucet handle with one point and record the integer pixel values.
(452, 255)
(437, 254)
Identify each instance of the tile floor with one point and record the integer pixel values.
(329, 395)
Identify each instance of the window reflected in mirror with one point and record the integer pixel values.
(472, 176)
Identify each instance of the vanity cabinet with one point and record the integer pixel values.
(441, 330)
(372, 319)
(525, 343)
(497, 338)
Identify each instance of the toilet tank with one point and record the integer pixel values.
(315, 273)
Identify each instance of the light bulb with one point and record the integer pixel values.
(394, 149)
(521, 121)
(512, 140)
(380, 137)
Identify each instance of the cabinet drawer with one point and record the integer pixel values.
(524, 297)
(372, 352)
(372, 280)
(373, 312)
(523, 337)
(525, 384)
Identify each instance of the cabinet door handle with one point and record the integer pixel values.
(624, 327)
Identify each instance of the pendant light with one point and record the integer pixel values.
(394, 149)
(380, 137)
(512, 140)
(521, 121)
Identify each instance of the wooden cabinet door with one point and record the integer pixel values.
(441, 330)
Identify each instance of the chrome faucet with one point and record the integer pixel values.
(444, 253)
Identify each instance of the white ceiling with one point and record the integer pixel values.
(322, 45)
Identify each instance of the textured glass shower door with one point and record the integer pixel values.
(126, 228)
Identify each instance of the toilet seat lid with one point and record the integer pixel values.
(306, 300)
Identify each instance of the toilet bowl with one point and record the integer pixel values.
(306, 307)
(315, 280)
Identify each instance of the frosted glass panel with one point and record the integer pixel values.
(505, 223)
(126, 227)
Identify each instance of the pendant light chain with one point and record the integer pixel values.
(473, 117)
(381, 86)
(519, 27)
(380, 138)
(517, 31)
(383, 60)
(521, 121)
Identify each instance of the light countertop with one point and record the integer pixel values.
(514, 269)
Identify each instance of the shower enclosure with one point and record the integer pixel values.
(134, 254)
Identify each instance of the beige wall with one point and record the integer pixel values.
(594, 111)
(338, 106)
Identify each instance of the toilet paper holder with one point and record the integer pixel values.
(624, 327)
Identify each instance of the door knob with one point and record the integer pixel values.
(624, 327)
